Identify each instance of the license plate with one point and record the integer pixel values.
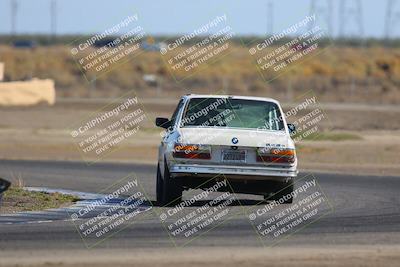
(234, 156)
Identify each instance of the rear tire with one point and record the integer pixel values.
(171, 190)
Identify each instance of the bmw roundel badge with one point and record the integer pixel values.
(235, 140)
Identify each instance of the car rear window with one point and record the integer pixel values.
(232, 113)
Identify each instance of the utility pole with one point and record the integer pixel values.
(14, 10)
(392, 18)
(53, 18)
(351, 14)
(323, 10)
(270, 18)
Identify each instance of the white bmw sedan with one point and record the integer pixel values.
(243, 140)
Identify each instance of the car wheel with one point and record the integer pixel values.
(159, 186)
(171, 189)
(288, 189)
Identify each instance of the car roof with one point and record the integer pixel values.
(232, 96)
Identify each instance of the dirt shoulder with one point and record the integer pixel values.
(217, 256)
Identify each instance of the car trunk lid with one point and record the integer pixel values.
(232, 137)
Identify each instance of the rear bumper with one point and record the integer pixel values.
(233, 172)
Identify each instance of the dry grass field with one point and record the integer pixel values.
(336, 74)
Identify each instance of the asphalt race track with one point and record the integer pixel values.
(365, 210)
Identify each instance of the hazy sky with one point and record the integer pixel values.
(182, 16)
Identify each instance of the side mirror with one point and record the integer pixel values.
(163, 122)
(291, 127)
(4, 185)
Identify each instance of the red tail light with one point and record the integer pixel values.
(276, 155)
(192, 151)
